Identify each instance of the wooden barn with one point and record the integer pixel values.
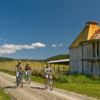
(85, 50)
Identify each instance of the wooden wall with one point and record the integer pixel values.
(79, 60)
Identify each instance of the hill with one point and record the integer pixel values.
(10, 59)
(6, 59)
(58, 57)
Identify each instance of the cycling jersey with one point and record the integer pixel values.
(18, 68)
(48, 71)
(27, 68)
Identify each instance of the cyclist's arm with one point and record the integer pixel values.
(30, 69)
(52, 71)
(45, 71)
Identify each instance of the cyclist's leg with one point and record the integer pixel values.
(21, 79)
(17, 78)
(46, 81)
(51, 82)
(26, 75)
(29, 79)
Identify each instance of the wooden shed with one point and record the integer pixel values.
(85, 50)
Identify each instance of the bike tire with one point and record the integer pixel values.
(17, 81)
(51, 85)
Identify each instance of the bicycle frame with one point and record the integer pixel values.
(27, 76)
(19, 79)
(49, 82)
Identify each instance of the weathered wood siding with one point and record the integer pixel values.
(79, 60)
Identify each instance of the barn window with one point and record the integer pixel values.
(93, 49)
(98, 49)
(91, 67)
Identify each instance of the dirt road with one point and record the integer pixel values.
(35, 91)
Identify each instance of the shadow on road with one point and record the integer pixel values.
(10, 87)
(39, 88)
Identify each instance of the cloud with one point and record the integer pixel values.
(57, 45)
(54, 45)
(60, 45)
(12, 48)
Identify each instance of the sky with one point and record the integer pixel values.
(38, 29)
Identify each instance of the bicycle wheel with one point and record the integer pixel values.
(29, 81)
(51, 85)
(21, 84)
(20, 80)
(17, 81)
(46, 84)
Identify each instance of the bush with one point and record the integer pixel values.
(76, 78)
(58, 77)
(38, 73)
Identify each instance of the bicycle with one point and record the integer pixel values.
(19, 80)
(27, 77)
(49, 82)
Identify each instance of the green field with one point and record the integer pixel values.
(76, 84)
(3, 95)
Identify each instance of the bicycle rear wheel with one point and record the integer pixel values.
(21, 84)
(17, 81)
(46, 84)
(21, 80)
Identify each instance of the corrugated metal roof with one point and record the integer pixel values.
(59, 61)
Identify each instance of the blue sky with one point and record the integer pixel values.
(39, 29)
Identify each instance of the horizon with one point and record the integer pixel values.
(32, 58)
(42, 29)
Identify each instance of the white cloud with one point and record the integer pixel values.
(54, 45)
(60, 45)
(57, 45)
(38, 45)
(12, 48)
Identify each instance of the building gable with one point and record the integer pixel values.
(96, 35)
(85, 34)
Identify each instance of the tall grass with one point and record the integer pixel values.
(36, 66)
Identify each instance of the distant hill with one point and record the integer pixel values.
(31, 60)
(6, 59)
(10, 59)
(58, 57)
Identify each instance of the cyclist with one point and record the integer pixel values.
(18, 72)
(27, 73)
(48, 75)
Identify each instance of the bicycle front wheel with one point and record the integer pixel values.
(51, 85)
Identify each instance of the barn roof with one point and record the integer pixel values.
(90, 31)
(96, 35)
(62, 61)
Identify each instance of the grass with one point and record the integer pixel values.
(87, 89)
(90, 89)
(3, 95)
(37, 79)
(83, 84)
(8, 72)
